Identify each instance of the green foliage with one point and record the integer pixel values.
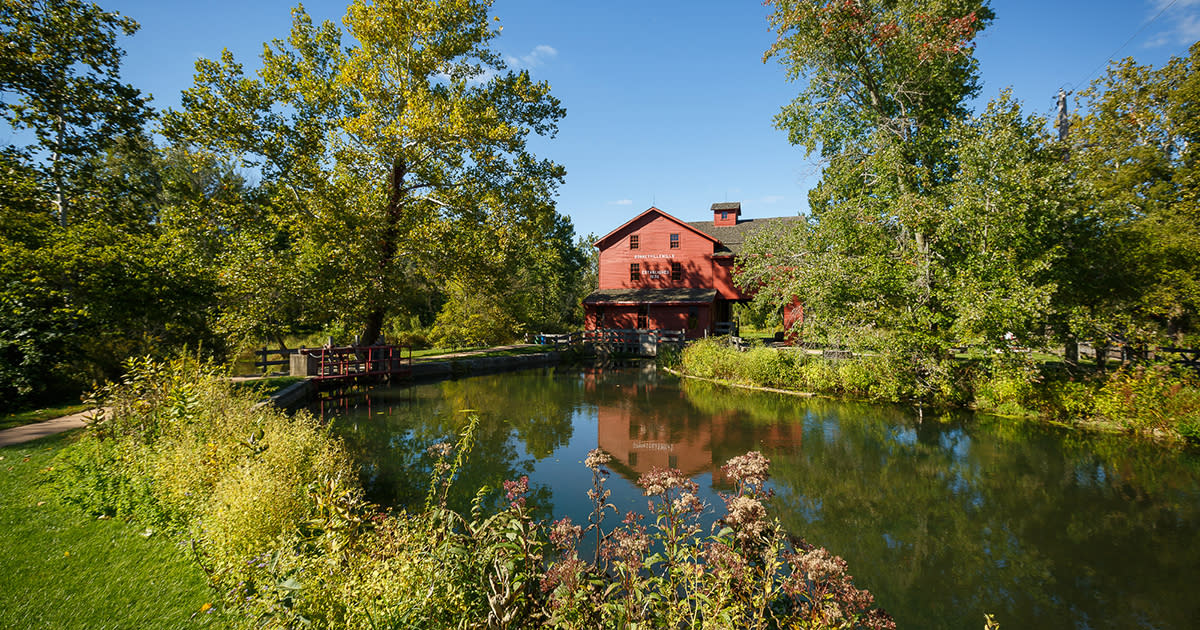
(1138, 398)
(62, 63)
(1135, 149)
(883, 377)
(1151, 398)
(383, 145)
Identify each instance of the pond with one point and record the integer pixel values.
(942, 518)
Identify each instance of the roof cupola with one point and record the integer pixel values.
(726, 213)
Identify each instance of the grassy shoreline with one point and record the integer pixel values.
(1157, 401)
(64, 569)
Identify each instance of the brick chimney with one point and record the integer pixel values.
(726, 213)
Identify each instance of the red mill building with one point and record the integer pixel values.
(657, 272)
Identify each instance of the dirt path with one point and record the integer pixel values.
(31, 432)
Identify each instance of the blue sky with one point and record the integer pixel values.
(668, 103)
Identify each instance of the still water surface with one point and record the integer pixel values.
(942, 519)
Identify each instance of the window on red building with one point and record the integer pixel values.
(643, 315)
(633, 241)
(676, 272)
(674, 241)
(635, 272)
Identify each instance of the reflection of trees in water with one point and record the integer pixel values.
(391, 444)
(947, 521)
(943, 519)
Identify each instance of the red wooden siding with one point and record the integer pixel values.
(654, 256)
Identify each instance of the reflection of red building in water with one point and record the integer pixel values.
(657, 272)
(642, 437)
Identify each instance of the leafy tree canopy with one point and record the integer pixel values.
(61, 63)
(381, 152)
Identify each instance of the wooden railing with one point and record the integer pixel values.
(263, 362)
(613, 340)
(354, 362)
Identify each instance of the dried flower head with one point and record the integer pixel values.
(563, 574)
(659, 480)
(688, 502)
(751, 468)
(596, 458)
(627, 545)
(747, 516)
(441, 450)
(564, 533)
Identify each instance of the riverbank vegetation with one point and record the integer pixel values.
(935, 227)
(270, 507)
(1151, 399)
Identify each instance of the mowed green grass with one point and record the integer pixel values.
(61, 569)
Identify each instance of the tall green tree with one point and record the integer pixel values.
(379, 150)
(61, 63)
(884, 82)
(1135, 150)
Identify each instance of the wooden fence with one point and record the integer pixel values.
(262, 360)
(614, 340)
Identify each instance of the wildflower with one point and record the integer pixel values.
(565, 574)
(564, 533)
(724, 560)
(441, 450)
(597, 458)
(628, 546)
(515, 491)
(750, 468)
(747, 516)
(688, 502)
(660, 480)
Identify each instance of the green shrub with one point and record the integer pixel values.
(1148, 398)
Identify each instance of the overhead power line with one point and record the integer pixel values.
(1122, 46)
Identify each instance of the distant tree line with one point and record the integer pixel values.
(368, 180)
(934, 226)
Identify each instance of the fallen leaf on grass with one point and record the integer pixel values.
(41, 503)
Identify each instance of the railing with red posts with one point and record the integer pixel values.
(354, 362)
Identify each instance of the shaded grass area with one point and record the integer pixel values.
(434, 353)
(8, 421)
(268, 386)
(63, 569)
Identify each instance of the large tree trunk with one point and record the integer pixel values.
(373, 325)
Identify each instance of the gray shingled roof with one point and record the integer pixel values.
(727, 205)
(732, 236)
(611, 296)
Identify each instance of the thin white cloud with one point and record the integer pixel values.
(772, 199)
(1179, 23)
(621, 202)
(536, 57)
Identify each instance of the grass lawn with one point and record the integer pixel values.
(269, 386)
(8, 421)
(62, 569)
(434, 352)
